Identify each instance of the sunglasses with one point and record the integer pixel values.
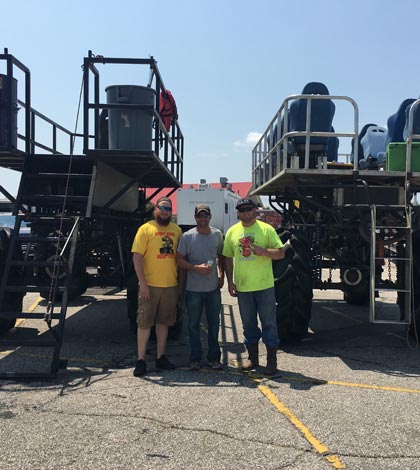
(202, 216)
(164, 208)
(245, 209)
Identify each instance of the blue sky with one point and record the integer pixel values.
(228, 63)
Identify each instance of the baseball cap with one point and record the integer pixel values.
(245, 202)
(202, 208)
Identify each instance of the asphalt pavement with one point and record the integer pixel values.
(348, 396)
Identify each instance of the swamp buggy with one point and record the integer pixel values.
(353, 225)
(76, 214)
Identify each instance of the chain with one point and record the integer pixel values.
(389, 270)
(57, 263)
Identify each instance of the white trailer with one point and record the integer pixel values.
(221, 201)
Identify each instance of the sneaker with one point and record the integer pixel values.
(164, 363)
(195, 365)
(216, 365)
(140, 368)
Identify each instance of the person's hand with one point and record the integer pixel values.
(232, 290)
(203, 269)
(259, 251)
(221, 281)
(144, 291)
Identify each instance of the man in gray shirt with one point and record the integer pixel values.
(200, 254)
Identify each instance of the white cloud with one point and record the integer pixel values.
(250, 140)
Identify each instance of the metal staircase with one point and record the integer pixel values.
(76, 215)
(53, 195)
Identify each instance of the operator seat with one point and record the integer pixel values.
(396, 122)
(416, 122)
(360, 153)
(332, 150)
(374, 141)
(277, 137)
(374, 148)
(322, 113)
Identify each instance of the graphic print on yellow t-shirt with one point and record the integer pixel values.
(167, 248)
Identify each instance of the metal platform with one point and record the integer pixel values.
(287, 179)
(145, 166)
(12, 160)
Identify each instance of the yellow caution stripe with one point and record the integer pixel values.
(321, 448)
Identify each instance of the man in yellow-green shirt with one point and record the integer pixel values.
(154, 251)
(249, 248)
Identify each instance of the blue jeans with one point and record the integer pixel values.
(212, 303)
(263, 303)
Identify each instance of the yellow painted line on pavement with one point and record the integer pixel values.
(338, 383)
(30, 310)
(372, 387)
(20, 321)
(397, 336)
(341, 314)
(254, 376)
(321, 448)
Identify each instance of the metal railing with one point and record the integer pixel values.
(12, 62)
(168, 145)
(34, 143)
(270, 158)
(32, 116)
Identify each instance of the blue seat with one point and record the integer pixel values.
(360, 153)
(396, 122)
(374, 141)
(332, 150)
(276, 137)
(416, 122)
(322, 114)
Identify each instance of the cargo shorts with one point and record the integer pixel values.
(159, 308)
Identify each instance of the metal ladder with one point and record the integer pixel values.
(403, 258)
(12, 286)
(43, 260)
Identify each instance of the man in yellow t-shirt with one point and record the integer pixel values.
(249, 248)
(154, 250)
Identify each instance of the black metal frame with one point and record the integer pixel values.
(13, 62)
(105, 234)
(171, 142)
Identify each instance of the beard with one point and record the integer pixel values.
(163, 222)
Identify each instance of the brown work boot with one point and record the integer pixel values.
(253, 359)
(271, 368)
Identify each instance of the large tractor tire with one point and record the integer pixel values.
(12, 302)
(78, 286)
(414, 328)
(293, 288)
(80, 278)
